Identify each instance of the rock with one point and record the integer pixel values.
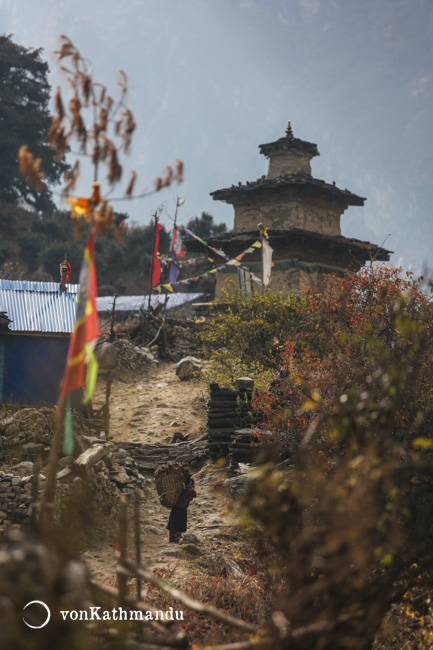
(236, 485)
(173, 552)
(244, 384)
(148, 355)
(90, 457)
(91, 440)
(65, 461)
(121, 478)
(106, 355)
(64, 473)
(189, 538)
(233, 568)
(215, 521)
(24, 468)
(154, 530)
(188, 368)
(33, 448)
(191, 549)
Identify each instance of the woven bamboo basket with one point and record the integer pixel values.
(169, 481)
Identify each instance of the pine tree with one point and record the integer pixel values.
(25, 120)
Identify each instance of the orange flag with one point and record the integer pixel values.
(86, 329)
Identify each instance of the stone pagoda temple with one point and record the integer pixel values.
(302, 215)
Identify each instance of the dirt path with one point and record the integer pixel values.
(150, 409)
(155, 405)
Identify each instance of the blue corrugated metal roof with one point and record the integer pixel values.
(38, 306)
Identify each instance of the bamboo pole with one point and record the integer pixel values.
(123, 532)
(48, 501)
(35, 491)
(155, 215)
(137, 537)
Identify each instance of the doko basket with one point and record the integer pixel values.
(169, 481)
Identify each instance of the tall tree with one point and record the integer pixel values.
(205, 227)
(25, 120)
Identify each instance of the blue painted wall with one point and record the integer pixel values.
(31, 368)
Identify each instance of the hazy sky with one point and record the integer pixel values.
(210, 80)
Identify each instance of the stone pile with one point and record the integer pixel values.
(103, 469)
(123, 355)
(171, 338)
(27, 433)
(244, 446)
(228, 411)
(149, 456)
(15, 497)
(182, 339)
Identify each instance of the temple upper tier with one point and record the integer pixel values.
(302, 215)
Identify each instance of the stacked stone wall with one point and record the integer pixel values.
(313, 215)
(293, 162)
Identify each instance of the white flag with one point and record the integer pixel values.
(266, 261)
(245, 283)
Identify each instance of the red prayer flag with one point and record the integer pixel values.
(176, 244)
(156, 273)
(86, 328)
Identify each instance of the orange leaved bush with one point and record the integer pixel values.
(349, 516)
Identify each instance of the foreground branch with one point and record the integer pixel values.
(190, 602)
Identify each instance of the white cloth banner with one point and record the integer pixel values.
(266, 261)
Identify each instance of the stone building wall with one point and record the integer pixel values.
(313, 215)
(295, 162)
(289, 281)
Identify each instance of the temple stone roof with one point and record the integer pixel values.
(289, 142)
(287, 241)
(286, 185)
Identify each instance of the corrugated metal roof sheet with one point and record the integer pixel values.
(38, 306)
(42, 307)
(133, 303)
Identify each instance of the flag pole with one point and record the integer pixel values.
(261, 230)
(155, 215)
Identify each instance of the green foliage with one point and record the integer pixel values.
(246, 335)
(25, 120)
(205, 227)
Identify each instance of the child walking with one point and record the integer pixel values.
(177, 522)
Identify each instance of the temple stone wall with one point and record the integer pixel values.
(313, 215)
(295, 162)
(289, 282)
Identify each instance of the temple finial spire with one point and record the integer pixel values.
(289, 131)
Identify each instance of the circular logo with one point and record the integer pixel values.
(38, 602)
